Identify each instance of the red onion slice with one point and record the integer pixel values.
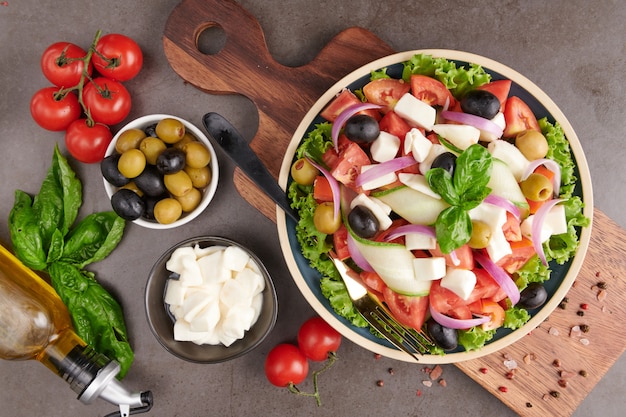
(357, 256)
(503, 279)
(552, 166)
(334, 186)
(410, 228)
(384, 168)
(456, 323)
(344, 116)
(503, 203)
(538, 221)
(472, 120)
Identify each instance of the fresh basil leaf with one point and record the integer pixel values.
(474, 196)
(97, 317)
(453, 228)
(473, 169)
(55, 249)
(25, 233)
(93, 238)
(71, 189)
(440, 181)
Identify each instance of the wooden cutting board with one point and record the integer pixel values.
(548, 361)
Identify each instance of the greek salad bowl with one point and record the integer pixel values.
(209, 299)
(160, 171)
(453, 186)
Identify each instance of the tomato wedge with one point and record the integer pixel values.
(344, 99)
(394, 124)
(522, 251)
(340, 243)
(385, 91)
(409, 311)
(430, 91)
(448, 303)
(321, 189)
(519, 117)
(349, 165)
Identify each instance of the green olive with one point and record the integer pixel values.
(190, 201)
(200, 177)
(481, 235)
(197, 155)
(133, 187)
(537, 187)
(532, 144)
(185, 140)
(152, 148)
(170, 130)
(178, 183)
(131, 163)
(303, 172)
(325, 220)
(167, 210)
(129, 139)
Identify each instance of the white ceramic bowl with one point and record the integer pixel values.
(307, 279)
(207, 193)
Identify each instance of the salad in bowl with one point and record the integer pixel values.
(455, 189)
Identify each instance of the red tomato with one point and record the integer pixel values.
(108, 101)
(491, 309)
(500, 89)
(394, 124)
(522, 252)
(512, 228)
(285, 365)
(446, 302)
(430, 91)
(87, 143)
(344, 99)
(518, 117)
(54, 111)
(317, 339)
(409, 311)
(61, 64)
(117, 57)
(349, 164)
(340, 242)
(385, 91)
(486, 288)
(373, 281)
(321, 189)
(464, 256)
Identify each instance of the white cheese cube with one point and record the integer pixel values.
(417, 182)
(554, 223)
(379, 209)
(175, 292)
(429, 269)
(459, 281)
(231, 293)
(175, 263)
(251, 281)
(206, 319)
(378, 182)
(194, 303)
(498, 247)
(235, 258)
(419, 144)
(212, 269)
(190, 274)
(200, 252)
(256, 304)
(489, 136)
(415, 111)
(385, 147)
(494, 216)
(461, 136)
(419, 241)
(183, 333)
(435, 151)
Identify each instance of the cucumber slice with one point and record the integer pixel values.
(413, 205)
(504, 184)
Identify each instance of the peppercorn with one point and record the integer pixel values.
(529, 405)
(380, 383)
(556, 362)
(584, 328)
(580, 313)
(555, 394)
(602, 285)
(582, 373)
(391, 371)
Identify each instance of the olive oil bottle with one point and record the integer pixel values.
(35, 324)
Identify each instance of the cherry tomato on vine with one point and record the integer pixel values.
(316, 339)
(117, 57)
(285, 365)
(108, 101)
(86, 143)
(53, 110)
(62, 64)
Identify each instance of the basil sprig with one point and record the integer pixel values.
(463, 191)
(46, 238)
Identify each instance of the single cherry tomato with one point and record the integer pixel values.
(62, 64)
(87, 143)
(108, 101)
(117, 57)
(317, 339)
(285, 365)
(53, 110)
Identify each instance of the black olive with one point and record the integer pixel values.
(446, 160)
(150, 181)
(445, 337)
(533, 296)
(481, 103)
(361, 128)
(170, 161)
(363, 222)
(111, 173)
(151, 130)
(127, 204)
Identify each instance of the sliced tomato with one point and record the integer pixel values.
(394, 124)
(447, 302)
(494, 311)
(373, 281)
(344, 99)
(349, 164)
(522, 251)
(500, 89)
(340, 243)
(512, 229)
(464, 255)
(518, 117)
(385, 92)
(431, 91)
(486, 288)
(408, 310)
(321, 189)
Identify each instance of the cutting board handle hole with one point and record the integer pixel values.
(211, 39)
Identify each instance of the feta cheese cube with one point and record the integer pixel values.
(235, 258)
(174, 292)
(380, 210)
(459, 281)
(385, 147)
(419, 146)
(429, 269)
(419, 241)
(435, 151)
(415, 111)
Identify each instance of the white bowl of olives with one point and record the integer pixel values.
(160, 171)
